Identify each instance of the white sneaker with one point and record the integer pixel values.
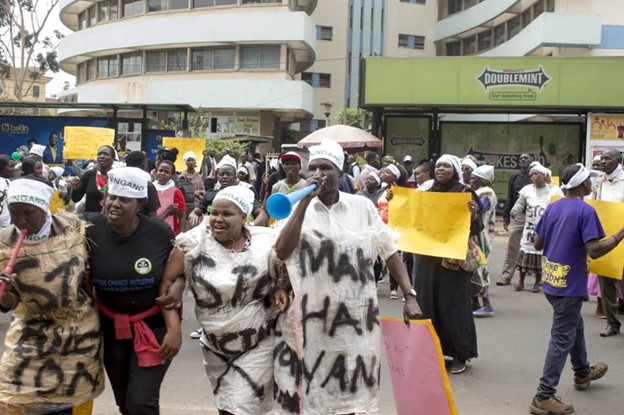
(394, 294)
(196, 334)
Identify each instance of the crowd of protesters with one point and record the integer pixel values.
(240, 265)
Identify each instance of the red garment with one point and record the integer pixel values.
(145, 344)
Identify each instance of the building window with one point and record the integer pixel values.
(91, 69)
(107, 67)
(526, 17)
(454, 6)
(156, 61)
(485, 40)
(414, 1)
(176, 60)
(470, 3)
(260, 56)
(91, 16)
(311, 125)
(131, 63)
(411, 41)
(82, 20)
(317, 80)
(36, 91)
(107, 10)
(213, 3)
(499, 34)
(324, 33)
(81, 73)
(163, 5)
(538, 8)
(453, 48)
(260, 1)
(513, 26)
(470, 44)
(132, 7)
(213, 58)
(550, 6)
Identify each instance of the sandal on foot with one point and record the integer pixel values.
(536, 288)
(519, 287)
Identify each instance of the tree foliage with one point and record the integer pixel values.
(351, 116)
(27, 51)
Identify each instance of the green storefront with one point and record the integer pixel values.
(412, 100)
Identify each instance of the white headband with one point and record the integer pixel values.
(227, 161)
(37, 149)
(468, 162)
(395, 170)
(484, 172)
(241, 196)
(578, 178)
(375, 176)
(57, 170)
(189, 155)
(30, 191)
(539, 168)
(453, 161)
(329, 150)
(128, 182)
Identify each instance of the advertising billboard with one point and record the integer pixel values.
(407, 136)
(18, 131)
(501, 144)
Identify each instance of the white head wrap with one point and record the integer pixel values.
(243, 169)
(37, 149)
(329, 150)
(375, 176)
(128, 182)
(395, 170)
(539, 168)
(227, 161)
(241, 196)
(426, 185)
(57, 170)
(484, 172)
(189, 155)
(468, 162)
(30, 191)
(597, 158)
(578, 178)
(453, 161)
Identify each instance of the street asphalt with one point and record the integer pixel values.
(512, 346)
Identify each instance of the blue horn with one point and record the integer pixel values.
(279, 205)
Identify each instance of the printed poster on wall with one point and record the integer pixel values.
(407, 136)
(603, 127)
(501, 144)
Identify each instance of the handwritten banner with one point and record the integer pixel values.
(196, 145)
(419, 381)
(430, 223)
(82, 143)
(610, 215)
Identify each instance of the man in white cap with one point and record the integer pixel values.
(328, 246)
(226, 176)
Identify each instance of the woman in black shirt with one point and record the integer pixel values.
(94, 183)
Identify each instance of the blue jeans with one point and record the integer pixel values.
(567, 336)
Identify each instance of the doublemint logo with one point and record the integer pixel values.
(513, 77)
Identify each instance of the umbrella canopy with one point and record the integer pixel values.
(346, 136)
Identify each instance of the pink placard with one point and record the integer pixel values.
(419, 381)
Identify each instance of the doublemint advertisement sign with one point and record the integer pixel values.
(506, 82)
(513, 83)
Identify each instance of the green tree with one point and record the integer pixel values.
(26, 51)
(351, 116)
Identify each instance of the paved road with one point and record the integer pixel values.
(512, 346)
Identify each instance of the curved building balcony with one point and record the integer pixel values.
(472, 17)
(192, 29)
(287, 99)
(554, 30)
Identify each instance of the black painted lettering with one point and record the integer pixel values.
(338, 371)
(305, 315)
(360, 371)
(343, 318)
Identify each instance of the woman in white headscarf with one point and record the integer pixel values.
(532, 201)
(52, 359)
(481, 182)
(225, 263)
(389, 176)
(443, 287)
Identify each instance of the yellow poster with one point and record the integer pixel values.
(610, 215)
(604, 127)
(196, 145)
(82, 143)
(430, 223)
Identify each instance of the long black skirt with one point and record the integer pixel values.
(444, 297)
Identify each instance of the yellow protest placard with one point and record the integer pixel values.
(556, 181)
(610, 215)
(430, 223)
(196, 145)
(82, 143)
